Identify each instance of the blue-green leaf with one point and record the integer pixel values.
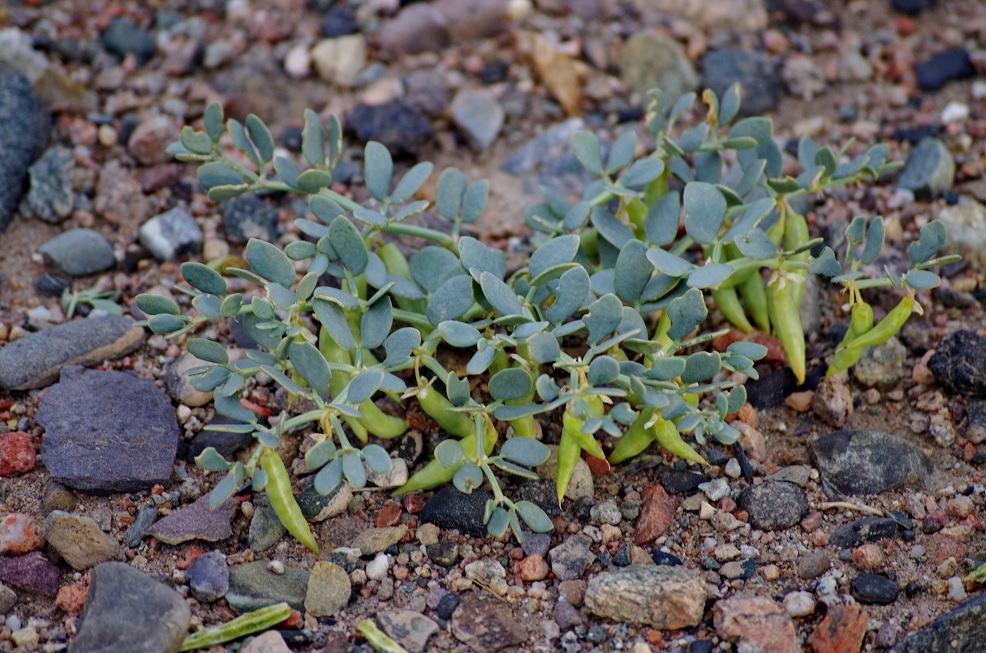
(329, 477)
(313, 139)
(157, 305)
(261, 137)
(610, 228)
(499, 295)
(308, 361)
(585, 145)
(621, 152)
(525, 451)
(411, 182)
(632, 272)
(667, 263)
(348, 244)
(400, 344)
(448, 194)
(459, 334)
(378, 170)
(431, 266)
(511, 383)
(642, 173)
(333, 318)
(922, 279)
(710, 275)
(661, 223)
(571, 292)
(604, 316)
(218, 173)
(363, 386)
(544, 348)
(269, 262)
(557, 251)
(603, 370)
(376, 323)
(686, 313)
(450, 300)
(376, 458)
(930, 240)
(478, 258)
(705, 210)
(207, 350)
(165, 323)
(353, 470)
(449, 453)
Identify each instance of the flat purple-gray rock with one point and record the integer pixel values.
(107, 432)
(33, 572)
(127, 610)
(34, 361)
(195, 522)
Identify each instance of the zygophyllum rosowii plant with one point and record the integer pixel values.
(600, 330)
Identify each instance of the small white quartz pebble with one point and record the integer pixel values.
(799, 604)
(376, 569)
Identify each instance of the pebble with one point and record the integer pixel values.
(755, 623)
(149, 140)
(959, 363)
(862, 530)
(377, 568)
(124, 37)
(716, 15)
(396, 477)
(317, 507)
(882, 364)
(17, 455)
(956, 589)
(79, 540)
(19, 534)
(489, 574)
(939, 69)
(842, 628)
(867, 462)
(965, 223)
(271, 641)
(571, 558)
(657, 514)
(32, 571)
(929, 170)
(402, 128)
(374, 540)
(447, 605)
(408, 628)
(773, 505)
(134, 612)
(208, 577)
(715, 489)
(832, 401)
(339, 60)
(486, 624)
(171, 234)
(759, 78)
(329, 589)
(79, 252)
(120, 199)
(663, 597)
(266, 528)
(478, 115)
(252, 585)
(961, 629)
(177, 382)
(450, 509)
(813, 564)
(868, 557)
(533, 568)
(196, 522)
(49, 194)
(340, 20)
(247, 217)
(606, 512)
(533, 544)
(653, 61)
(799, 604)
(417, 28)
(874, 588)
(24, 132)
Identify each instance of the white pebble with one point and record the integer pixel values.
(376, 569)
(183, 412)
(978, 90)
(276, 566)
(715, 489)
(799, 604)
(827, 586)
(954, 112)
(956, 589)
(298, 62)
(733, 469)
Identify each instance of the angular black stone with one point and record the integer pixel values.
(107, 432)
(680, 481)
(124, 37)
(874, 588)
(960, 363)
(127, 610)
(450, 509)
(867, 462)
(399, 126)
(935, 72)
(862, 530)
(962, 629)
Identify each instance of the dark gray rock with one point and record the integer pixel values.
(25, 127)
(145, 517)
(450, 509)
(680, 481)
(79, 252)
(962, 629)
(124, 37)
(911, 7)
(33, 572)
(36, 360)
(929, 171)
(172, 234)
(52, 284)
(542, 493)
(208, 577)
(874, 588)
(443, 553)
(536, 543)
(196, 522)
(227, 444)
(960, 363)
(396, 124)
(107, 432)
(49, 195)
(339, 21)
(770, 390)
(447, 606)
(867, 462)
(862, 530)
(247, 217)
(571, 558)
(486, 624)
(938, 70)
(317, 507)
(774, 505)
(266, 528)
(127, 610)
(758, 77)
(253, 586)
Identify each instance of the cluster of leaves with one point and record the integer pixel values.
(599, 328)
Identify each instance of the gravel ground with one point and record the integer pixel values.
(477, 81)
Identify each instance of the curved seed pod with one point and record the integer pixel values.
(783, 310)
(860, 322)
(754, 297)
(437, 406)
(637, 437)
(666, 434)
(568, 457)
(727, 300)
(247, 624)
(379, 423)
(888, 326)
(282, 500)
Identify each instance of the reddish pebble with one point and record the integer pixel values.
(598, 465)
(905, 25)
(71, 598)
(18, 534)
(727, 504)
(812, 521)
(16, 454)
(414, 503)
(656, 515)
(868, 557)
(191, 556)
(293, 621)
(389, 515)
(841, 631)
(532, 568)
